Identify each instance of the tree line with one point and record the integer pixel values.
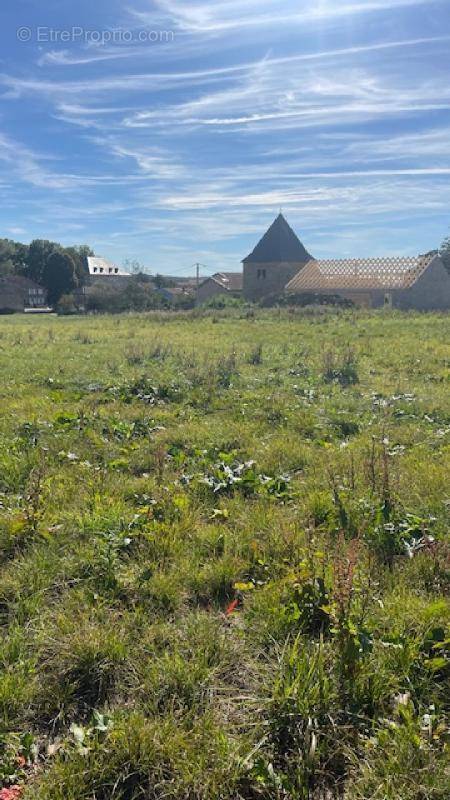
(445, 252)
(58, 269)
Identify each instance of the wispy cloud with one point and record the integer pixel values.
(153, 81)
(250, 93)
(159, 80)
(228, 15)
(32, 168)
(330, 95)
(152, 162)
(24, 163)
(340, 117)
(432, 143)
(67, 58)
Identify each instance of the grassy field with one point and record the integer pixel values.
(224, 557)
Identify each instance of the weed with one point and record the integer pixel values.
(256, 356)
(33, 499)
(343, 371)
(226, 371)
(134, 355)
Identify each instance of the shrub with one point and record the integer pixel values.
(342, 371)
(256, 356)
(223, 301)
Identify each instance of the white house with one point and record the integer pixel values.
(102, 267)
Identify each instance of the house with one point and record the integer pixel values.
(175, 294)
(102, 268)
(18, 293)
(277, 257)
(418, 282)
(225, 283)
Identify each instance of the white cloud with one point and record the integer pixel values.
(269, 96)
(153, 162)
(151, 81)
(67, 58)
(31, 168)
(432, 143)
(228, 15)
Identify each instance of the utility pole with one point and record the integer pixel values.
(197, 276)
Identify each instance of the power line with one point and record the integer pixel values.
(192, 270)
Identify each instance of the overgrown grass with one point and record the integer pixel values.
(224, 556)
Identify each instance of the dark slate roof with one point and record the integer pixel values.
(279, 243)
(18, 282)
(232, 281)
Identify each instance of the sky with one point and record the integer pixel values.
(173, 132)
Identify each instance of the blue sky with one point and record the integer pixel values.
(179, 136)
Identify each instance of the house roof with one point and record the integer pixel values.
(101, 266)
(174, 291)
(182, 281)
(360, 273)
(279, 243)
(17, 283)
(231, 281)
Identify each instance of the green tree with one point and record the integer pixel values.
(161, 282)
(20, 257)
(444, 252)
(7, 253)
(13, 257)
(59, 275)
(80, 253)
(39, 253)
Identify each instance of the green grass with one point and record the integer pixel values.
(224, 556)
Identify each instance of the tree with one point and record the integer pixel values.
(39, 253)
(59, 275)
(20, 257)
(137, 295)
(12, 257)
(79, 254)
(161, 282)
(7, 252)
(133, 266)
(444, 252)
(31, 260)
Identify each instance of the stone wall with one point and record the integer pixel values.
(208, 289)
(269, 278)
(430, 292)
